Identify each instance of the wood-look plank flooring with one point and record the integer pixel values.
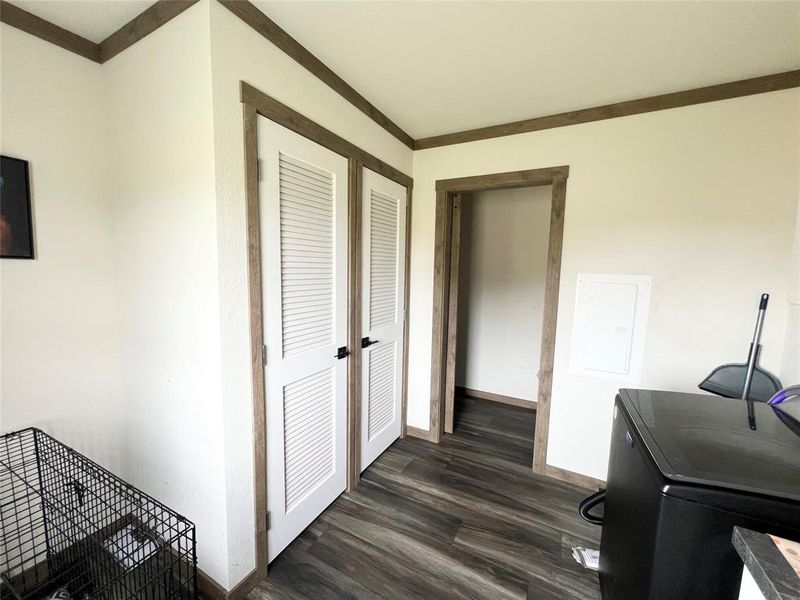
(463, 519)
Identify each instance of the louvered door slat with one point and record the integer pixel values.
(382, 386)
(307, 245)
(384, 255)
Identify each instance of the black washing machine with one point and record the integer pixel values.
(683, 470)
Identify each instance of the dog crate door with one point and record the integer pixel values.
(383, 313)
(303, 202)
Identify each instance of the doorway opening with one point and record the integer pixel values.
(499, 262)
(451, 196)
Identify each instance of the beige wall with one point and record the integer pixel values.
(161, 192)
(790, 371)
(504, 237)
(58, 337)
(110, 338)
(151, 253)
(703, 198)
(139, 207)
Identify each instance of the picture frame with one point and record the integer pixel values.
(16, 215)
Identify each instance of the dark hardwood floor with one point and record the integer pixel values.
(463, 519)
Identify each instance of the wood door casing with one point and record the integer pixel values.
(452, 313)
(445, 193)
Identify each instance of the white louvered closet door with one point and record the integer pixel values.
(383, 313)
(303, 193)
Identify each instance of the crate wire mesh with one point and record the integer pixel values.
(71, 528)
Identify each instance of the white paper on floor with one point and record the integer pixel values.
(587, 557)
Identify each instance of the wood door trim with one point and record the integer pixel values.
(503, 181)
(291, 119)
(452, 314)
(141, 26)
(441, 280)
(501, 398)
(445, 190)
(421, 434)
(47, 31)
(254, 103)
(355, 255)
(406, 292)
(255, 305)
(252, 15)
(549, 321)
(712, 93)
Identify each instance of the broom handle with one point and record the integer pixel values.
(754, 347)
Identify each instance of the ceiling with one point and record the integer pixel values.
(94, 20)
(437, 67)
(440, 67)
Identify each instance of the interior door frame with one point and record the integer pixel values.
(448, 193)
(254, 103)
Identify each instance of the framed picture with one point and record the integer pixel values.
(16, 226)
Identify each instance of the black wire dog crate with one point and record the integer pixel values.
(70, 529)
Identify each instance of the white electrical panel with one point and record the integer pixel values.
(610, 324)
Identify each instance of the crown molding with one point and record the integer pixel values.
(713, 93)
(252, 15)
(141, 26)
(165, 10)
(126, 36)
(47, 31)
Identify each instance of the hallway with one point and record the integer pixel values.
(464, 519)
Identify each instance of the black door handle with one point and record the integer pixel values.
(366, 342)
(343, 352)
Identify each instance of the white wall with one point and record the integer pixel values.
(703, 198)
(240, 53)
(58, 338)
(503, 258)
(158, 94)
